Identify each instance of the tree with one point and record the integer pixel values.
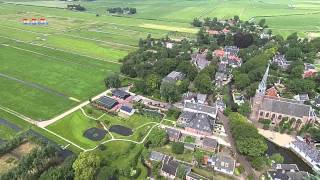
(262, 22)
(241, 80)
(209, 55)
(177, 147)
(153, 82)
(198, 155)
(252, 146)
(196, 22)
(236, 18)
(64, 171)
(169, 92)
(293, 54)
(245, 109)
(106, 172)
(188, 69)
(203, 83)
(86, 165)
(243, 40)
(112, 81)
(277, 158)
(259, 163)
(158, 137)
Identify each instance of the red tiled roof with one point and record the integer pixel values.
(273, 92)
(219, 53)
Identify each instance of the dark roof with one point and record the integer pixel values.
(282, 106)
(169, 165)
(201, 122)
(285, 167)
(231, 49)
(172, 133)
(212, 143)
(173, 77)
(156, 156)
(286, 172)
(201, 108)
(308, 149)
(224, 162)
(120, 93)
(222, 67)
(107, 102)
(126, 109)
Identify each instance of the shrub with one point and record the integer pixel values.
(177, 147)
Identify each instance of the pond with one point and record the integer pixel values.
(95, 134)
(124, 131)
(289, 156)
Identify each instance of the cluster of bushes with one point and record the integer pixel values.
(31, 166)
(10, 145)
(119, 10)
(265, 122)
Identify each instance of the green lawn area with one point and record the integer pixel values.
(189, 139)
(121, 154)
(186, 156)
(72, 128)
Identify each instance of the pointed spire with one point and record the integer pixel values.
(263, 84)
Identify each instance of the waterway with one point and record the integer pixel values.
(289, 156)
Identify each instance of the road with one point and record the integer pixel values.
(55, 119)
(243, 161)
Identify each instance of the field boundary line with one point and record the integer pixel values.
(57, 49)
(36, 86)
(69, 61)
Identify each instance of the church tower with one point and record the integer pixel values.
(260, 92)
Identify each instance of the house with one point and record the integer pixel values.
(238, 98)
(173, 134)
(200, 60)
(309, 70)
(316, 101)
(231, 50)
(173, 77)
(169, 45)
(286, 172)
(189, 146)
(221, 106)
(281, 61)
(234, 61)
(106, 102)
(272, 92)
(223, 164)
(200, 108)
(198, 123)
(218, 53)
(194, 176)
(210, 144)
(156, 156)
(194, 97)
(302, 97)
(120, 94)
(126, 111)
(309, 153)
(169, 168)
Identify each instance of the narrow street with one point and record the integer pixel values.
(241, 159)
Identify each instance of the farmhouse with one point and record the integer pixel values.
(194, 97)
(200, 108)
(276, 108)
(223, 164)
(308, 152)
(120, 94)
(302, 97)
(106, 102)
(169, 167)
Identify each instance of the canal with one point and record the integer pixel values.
(289, 156)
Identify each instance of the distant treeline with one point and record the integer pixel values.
(119, 10)
(76, 7)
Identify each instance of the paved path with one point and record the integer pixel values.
(281, 140)
(48, 122)
(242, 159)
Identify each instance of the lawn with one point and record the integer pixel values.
(72, 128)
(186, 156)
